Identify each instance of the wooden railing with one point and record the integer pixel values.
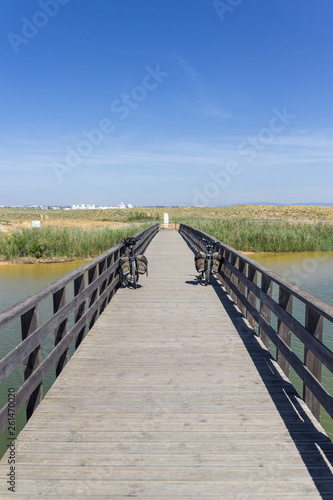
(90, 300)
(250, 285)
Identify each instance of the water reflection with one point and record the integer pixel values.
(18, 281)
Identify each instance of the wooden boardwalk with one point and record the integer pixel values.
(172, 396)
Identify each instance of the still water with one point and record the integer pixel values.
(18, 281)
(311, 271)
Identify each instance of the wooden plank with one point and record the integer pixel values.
(97, 488)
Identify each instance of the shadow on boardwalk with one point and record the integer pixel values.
(314, 447)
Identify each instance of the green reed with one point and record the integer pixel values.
(58, 243)
(269, 236)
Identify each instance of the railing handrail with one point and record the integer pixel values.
(103, 281)
(238, 274)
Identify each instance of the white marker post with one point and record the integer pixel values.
(36, 223)
(166, 220)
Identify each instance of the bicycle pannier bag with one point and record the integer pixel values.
(124, 265)
(199, 260)
(217, 258)
(142, 264)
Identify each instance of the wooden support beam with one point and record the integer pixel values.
(59, 300)
(313, 323)
(286, 302)
(29, 323)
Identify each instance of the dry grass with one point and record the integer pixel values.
(11, 219)
(15, 225)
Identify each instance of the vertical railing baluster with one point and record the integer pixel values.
(222, 272)
(29, 323)
(234, 280)
(286, 302)
(59, 300)
(79, 286)
(102, 287)
(109, 262)
(252, 275)
(114, 257)
(226, 258)
(266, 287)
(92, 275)
(241, 285)
(313, 323)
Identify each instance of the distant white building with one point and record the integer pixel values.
(94, 207)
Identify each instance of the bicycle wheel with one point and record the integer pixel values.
(122, 278)
(134, 274)
(207, 275)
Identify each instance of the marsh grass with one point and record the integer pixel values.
(269, 236)
(56, 243)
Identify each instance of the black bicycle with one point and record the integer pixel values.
(129, 273)
(206, 267)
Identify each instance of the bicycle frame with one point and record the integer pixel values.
(134, 275)
(207, 272)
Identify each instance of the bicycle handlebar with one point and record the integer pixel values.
(130, 240)
(210, 242)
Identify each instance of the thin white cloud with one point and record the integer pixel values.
(211, 110)
(185, 65)
(303, 149)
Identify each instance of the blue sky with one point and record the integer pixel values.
(155, 102)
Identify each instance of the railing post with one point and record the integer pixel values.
(252, 276)
(79, 286)
(29, 323)
(266, 287)
(286, 302)
(227, 272)
(114, 257)
(92, 275)
(222, 272)
(101, 269)
(241, 285)
(313, 323)
(234, 280)
(59, 300)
